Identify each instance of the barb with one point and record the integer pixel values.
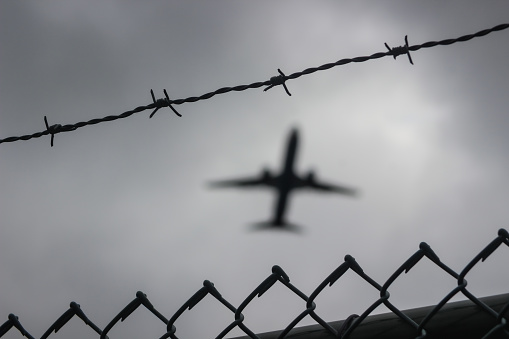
(274, 81)
(400, 50)
(278, 80)
(165, 102)
(52, 129)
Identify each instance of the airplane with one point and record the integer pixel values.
(284, 184)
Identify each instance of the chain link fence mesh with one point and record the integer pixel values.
(495, 310)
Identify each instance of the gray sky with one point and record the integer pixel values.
(123, 206)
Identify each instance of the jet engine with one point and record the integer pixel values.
(266, 175)
(311, 177)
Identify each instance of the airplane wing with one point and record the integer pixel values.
(312, 183)
(265, 179)
(332, 188)
(239, 182)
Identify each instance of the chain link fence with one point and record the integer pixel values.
(416, 323)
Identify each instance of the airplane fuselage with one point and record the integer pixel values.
(285, 182)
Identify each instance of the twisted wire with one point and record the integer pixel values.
(272, 82)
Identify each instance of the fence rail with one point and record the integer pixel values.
(421, 323)
(462, 319)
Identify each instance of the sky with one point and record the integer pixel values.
(124, 206)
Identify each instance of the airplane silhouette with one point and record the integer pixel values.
(284, 183)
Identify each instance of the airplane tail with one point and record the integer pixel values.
(273, 226)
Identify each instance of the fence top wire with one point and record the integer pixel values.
(473, 318)
(268, 84)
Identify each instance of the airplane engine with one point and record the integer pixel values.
(266, 174)
(311, 177)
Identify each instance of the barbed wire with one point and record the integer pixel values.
(272, 82)
(348, 327)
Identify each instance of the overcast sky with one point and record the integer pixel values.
(124, 206)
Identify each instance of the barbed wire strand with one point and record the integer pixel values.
(272, 82)
(498, 323)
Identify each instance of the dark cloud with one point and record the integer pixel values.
(123, 206)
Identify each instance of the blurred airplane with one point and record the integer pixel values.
(284, 183)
